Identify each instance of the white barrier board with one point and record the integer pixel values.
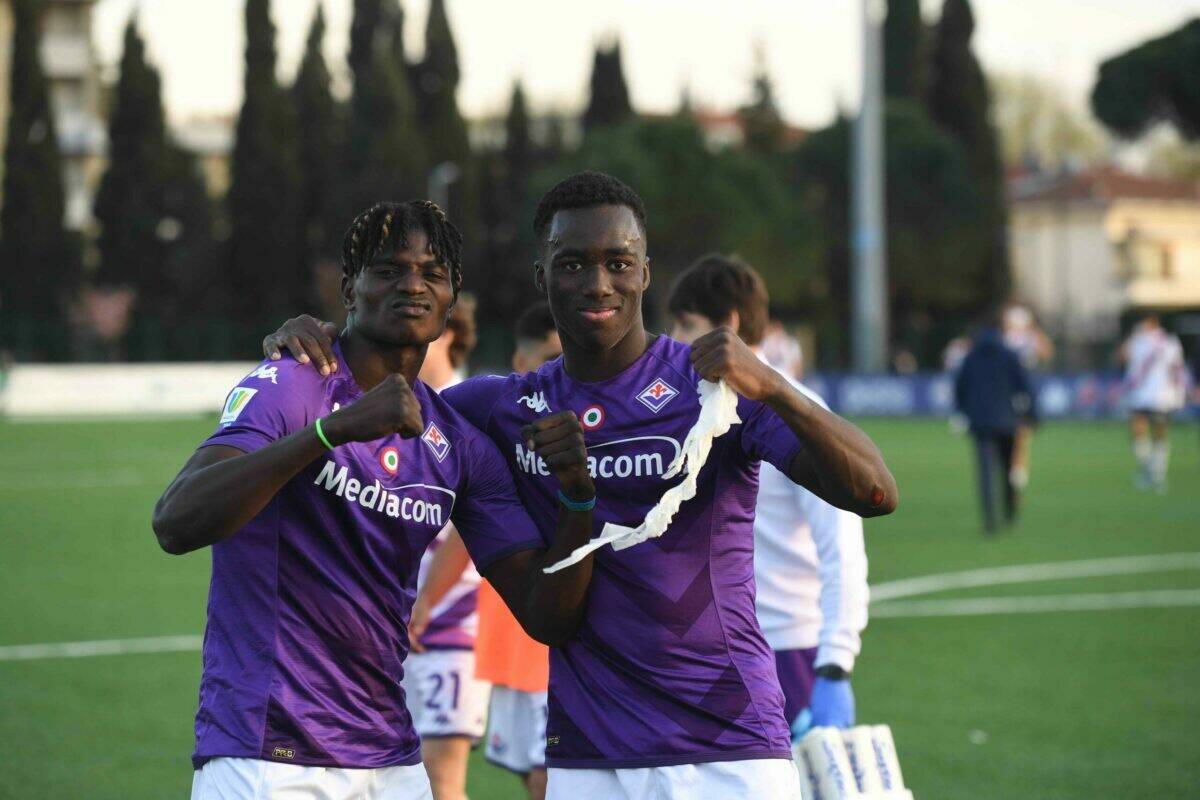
(51, 390)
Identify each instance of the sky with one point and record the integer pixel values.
(811, 47)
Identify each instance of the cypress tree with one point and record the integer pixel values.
(958, 100)
(443, 128)
(320, 136)
(385, 155)
(38, 261)
(264, 191)
(127, 205)
(903, 66)
(608, 102)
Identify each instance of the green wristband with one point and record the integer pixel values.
(321, 434)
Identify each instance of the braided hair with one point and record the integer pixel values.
(586, 190)
(388, 224)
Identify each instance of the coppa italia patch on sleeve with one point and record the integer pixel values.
(234, 404)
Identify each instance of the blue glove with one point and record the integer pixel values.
(830, 705)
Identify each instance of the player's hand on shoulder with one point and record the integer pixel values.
(390, 407)
(308, 339)
(721, 354)
(558, 439)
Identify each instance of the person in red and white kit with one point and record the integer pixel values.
(810, 564)
(447, 702)
(1155, 388)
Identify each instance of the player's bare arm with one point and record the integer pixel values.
(550, 606)
(839, 463)
(220, 489)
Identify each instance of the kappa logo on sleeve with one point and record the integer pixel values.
(657, 395)
(436, 440)
(266, 373)
(235, 403)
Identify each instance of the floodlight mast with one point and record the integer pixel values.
(868, 280)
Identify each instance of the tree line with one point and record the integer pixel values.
(204, 279)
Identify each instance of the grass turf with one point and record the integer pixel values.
(1053, 705)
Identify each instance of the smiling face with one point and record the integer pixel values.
(594, 270)
(403, 296)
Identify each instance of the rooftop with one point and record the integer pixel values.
(1098, 185)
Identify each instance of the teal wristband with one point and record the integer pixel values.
(321, 434)
(571, 505)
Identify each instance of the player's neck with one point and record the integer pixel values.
(370, 363)
(590, 366)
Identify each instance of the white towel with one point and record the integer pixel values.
(718, 413)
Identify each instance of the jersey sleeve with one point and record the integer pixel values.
(765, 436)
(475, 397)
(488, 514)
(260, 410)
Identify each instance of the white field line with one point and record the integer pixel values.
(907, 587)
(103, 647)
(1026, 573)
(1038, 604)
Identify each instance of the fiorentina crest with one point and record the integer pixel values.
(657, 395)
(437, 442)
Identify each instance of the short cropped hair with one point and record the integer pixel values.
(462, 323)
(718, 285)
(535, 324)
(586, 190)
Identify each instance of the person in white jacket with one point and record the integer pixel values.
(810, 564)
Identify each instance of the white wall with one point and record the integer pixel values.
(33, 390)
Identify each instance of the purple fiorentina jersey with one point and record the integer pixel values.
(309, 602)
(669, 665)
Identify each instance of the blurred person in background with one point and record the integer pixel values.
(1155, 388)
(782, 350)
(993, 391)
(447, 702)
(1026, 338)
(810, 564)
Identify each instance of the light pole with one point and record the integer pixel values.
(868, 280)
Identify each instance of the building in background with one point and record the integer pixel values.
(1090, 247)
(73, 75)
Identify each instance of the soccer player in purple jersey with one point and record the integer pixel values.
(667, 689)
(318, 493)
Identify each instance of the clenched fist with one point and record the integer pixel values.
(388, 408)
(558, 439)
(721, 354)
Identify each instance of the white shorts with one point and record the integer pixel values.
(516, 732)
(444, 697)
(761, 779)
(252, 779)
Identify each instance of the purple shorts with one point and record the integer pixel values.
(795, 668)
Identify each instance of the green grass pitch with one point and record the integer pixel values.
(1053, 705)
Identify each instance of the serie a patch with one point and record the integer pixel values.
(235, 403)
